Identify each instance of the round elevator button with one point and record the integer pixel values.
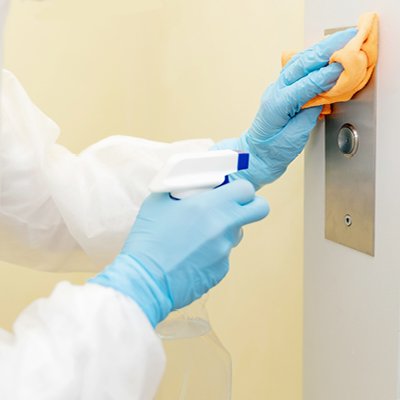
(348, 140)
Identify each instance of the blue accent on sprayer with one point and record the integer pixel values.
(243, 160)
(224, 182)
(243, 163)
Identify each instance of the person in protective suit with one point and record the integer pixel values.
(63, 212)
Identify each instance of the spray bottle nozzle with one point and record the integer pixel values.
(190, 173)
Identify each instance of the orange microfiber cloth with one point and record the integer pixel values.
(358, 58)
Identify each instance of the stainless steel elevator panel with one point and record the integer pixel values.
(350, 145)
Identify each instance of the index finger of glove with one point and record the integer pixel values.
(239, 191)
(317, 82)
(254, 211)
(315, 57)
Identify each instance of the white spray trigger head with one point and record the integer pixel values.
(190, 173)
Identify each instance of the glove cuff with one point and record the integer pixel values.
(261, 170)
(129, 277)
(246, 142)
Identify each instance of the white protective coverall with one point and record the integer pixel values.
(66, 212)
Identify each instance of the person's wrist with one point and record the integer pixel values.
(241, 144)
(131, 278)
(251, 143)
(265, 166)
(226, 144)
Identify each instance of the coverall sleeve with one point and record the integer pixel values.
(82, 343)
(65, 212)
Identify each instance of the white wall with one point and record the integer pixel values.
(351, 300)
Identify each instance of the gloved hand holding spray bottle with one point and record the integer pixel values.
(185, 175)
(175, 252)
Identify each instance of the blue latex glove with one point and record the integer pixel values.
(178, 250)
(281, 129)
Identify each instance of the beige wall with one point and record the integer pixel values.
(181, 69)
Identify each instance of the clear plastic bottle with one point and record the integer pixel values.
(198, 365)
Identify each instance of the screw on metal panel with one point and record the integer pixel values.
(348, 220)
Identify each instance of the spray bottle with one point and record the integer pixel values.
(193, 349)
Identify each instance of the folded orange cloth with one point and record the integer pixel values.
(358, 58)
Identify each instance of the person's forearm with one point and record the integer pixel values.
(65, 212)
